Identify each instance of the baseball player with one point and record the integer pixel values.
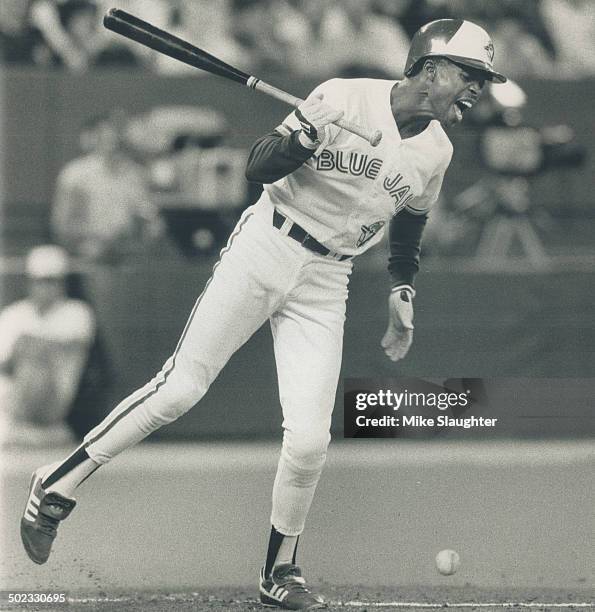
(328, 197)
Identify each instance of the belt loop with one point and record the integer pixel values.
(286, 227)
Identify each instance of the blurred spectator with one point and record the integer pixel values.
(523, 54)
(346, 38)
(207, 24)
(156, 12)
(572, 25)
(254, 29)
(102, 208)
(412, 14)
(50, 19)
(73, 37)
(44, 346)
(529, 16)
(197, 180)
(18, 37)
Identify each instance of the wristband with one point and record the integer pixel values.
(403, 287)
(306, 141)
(308, 129)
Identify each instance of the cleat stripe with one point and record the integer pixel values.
(271, 595)
(29, 516)
(35, 499)
(32, 509)
(283, 595)
(32, 503)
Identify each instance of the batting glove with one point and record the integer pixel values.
(399, 333)
(314, 115)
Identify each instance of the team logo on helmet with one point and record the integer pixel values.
(490, 51)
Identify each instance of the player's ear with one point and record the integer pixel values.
(429, 69)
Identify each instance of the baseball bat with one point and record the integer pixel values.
(164, 42)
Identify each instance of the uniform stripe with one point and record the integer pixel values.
(140, 396)
(77, 457)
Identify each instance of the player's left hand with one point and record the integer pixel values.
(314, 115)
(399, 333)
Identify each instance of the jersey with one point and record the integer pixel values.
(69, 323)
(100, 202)
(346, 193)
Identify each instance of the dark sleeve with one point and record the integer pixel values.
(274, 156)
(405, 233)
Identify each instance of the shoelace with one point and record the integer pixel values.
(294, 582)
(49, 524)
(295, 587)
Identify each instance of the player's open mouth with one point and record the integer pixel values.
(461, 106)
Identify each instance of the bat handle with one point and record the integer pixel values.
(371, 136)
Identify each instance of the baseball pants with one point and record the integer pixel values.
(261, 274)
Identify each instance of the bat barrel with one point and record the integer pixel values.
(140, 31)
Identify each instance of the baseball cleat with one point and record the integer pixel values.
(39, 522)
(285, 588)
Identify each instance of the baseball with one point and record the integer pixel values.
(447, 562)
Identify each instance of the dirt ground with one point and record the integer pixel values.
(183, 527)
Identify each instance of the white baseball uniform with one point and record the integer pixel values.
(47, 351)
(342, 196)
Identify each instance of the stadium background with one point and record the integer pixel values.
(512, 319)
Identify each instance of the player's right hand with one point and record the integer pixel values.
(399, 332)
(314, 115)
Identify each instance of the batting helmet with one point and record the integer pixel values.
(461, 41)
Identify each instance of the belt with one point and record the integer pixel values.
(301, 235)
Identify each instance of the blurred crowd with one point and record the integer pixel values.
(166, 181)
(318, 38)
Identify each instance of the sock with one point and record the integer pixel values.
(282, 549)
(65, 477)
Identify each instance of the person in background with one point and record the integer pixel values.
(18, 38)
(44, 346)
(59, 47)
(102, 208)
(312, 28)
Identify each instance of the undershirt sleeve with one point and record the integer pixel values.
(274, 156)
(405, 232)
